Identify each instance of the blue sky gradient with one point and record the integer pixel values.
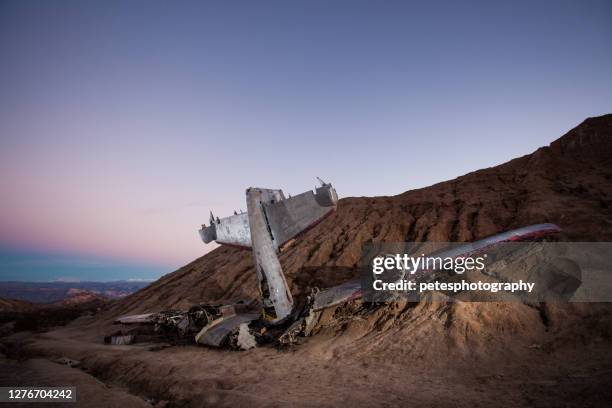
(123, 123)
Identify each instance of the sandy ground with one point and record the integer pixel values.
(40, 372)
(429, 355)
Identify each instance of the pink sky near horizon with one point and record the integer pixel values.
(123, 124)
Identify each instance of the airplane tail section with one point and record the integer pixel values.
(285, 217)
(270, 221)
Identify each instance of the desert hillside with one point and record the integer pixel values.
(431, 353)
(568, 183)
(15, 306)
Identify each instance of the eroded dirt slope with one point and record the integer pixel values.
(568, 183)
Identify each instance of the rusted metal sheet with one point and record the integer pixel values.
(337, 294)
(217, 332)
(135, 319)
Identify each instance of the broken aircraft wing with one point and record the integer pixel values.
(134, 319)
(290, 217)
(353, 289)
(233, 230)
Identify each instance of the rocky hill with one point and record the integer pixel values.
(568, 183)
(15, 306)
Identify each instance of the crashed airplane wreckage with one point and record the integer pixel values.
(271, 221)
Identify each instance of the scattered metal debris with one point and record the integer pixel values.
(271, 223)
(245, 339)
(120, 339)
(67, 361)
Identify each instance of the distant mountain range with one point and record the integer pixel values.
(49, 292)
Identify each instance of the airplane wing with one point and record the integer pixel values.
(290, 217)
(352, 290)
(234, 231)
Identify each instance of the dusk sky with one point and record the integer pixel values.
(123, 123)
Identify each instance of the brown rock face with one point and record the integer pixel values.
(15, 306)
(568, 183)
